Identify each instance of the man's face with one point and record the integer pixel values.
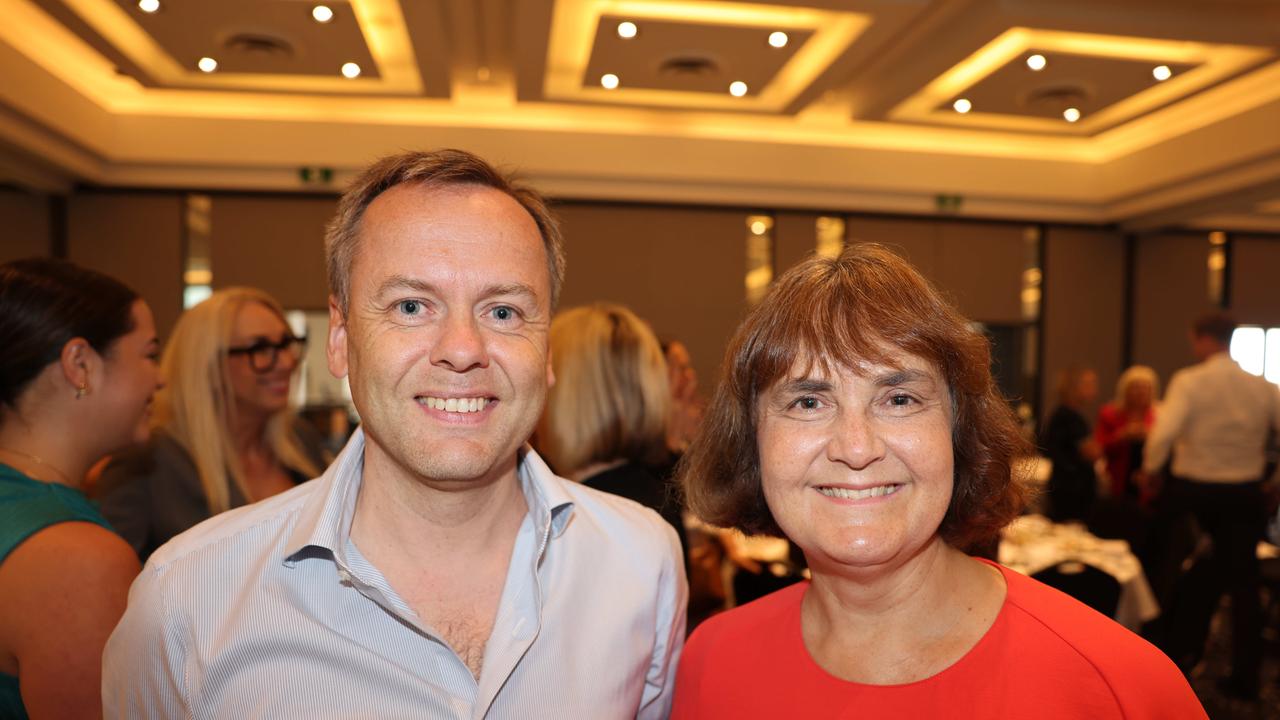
(445, 337)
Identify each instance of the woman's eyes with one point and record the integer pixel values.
(901, 400)
(807, 402)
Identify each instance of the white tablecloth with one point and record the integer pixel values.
(1033, 542)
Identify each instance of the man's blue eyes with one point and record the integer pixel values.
(410, 307)
(415, 307)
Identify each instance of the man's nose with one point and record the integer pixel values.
(460, 345)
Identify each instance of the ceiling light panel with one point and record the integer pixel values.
(686, 54)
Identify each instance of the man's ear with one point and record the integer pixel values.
(336, 348)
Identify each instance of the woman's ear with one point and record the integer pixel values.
(79, 362)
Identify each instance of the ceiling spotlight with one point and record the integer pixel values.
(609, 81)
(148, 6)
(207, 64)
(962, 105)
(1071, 114)
(1037, 62)
(778, 39)
(758, 227)
(350, 70)
(1161, 72)
(737, 88)
(322, 13)
(626, 30)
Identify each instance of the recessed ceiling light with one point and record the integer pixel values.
(1161, 72)
(322, 13)
(350, 70)
(207, 64)
(758, 227)
(1037, 62)
(778, 39)
(962, 105)
(626, 29)
(148, 6)
(1071, 114)
(737, 88)
(609, 81)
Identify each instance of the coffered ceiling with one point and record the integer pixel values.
(1148, 113)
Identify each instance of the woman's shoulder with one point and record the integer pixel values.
(751, 624)
(1051, 623)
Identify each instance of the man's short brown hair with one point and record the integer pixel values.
(1216, 325)
(837, 313)
(439, 168)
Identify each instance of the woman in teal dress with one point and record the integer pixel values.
(77, 373)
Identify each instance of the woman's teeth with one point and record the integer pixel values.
(851, 494)
(458, 405)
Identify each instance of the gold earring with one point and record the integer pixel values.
(82, 390)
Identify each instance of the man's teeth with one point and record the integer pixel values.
(850, 494)
(458, 405)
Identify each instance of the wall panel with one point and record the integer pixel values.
(24, 225)
(1171, 287)
(275, 243)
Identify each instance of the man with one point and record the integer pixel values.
(1217, 418)
(438, 568)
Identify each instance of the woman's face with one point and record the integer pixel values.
(856, 465)
(266, 392)
(131, 377)
(1139, 394)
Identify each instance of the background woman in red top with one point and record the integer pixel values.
(1122, 428)
(858, 417)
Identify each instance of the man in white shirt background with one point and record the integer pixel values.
(438, 568)
(1217, 420)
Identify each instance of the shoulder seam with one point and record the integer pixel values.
(1101, 676)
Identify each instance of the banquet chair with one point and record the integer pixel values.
(1088, 584)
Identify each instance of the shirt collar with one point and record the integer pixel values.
(325, 520)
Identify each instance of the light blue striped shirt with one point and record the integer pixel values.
(270, 611)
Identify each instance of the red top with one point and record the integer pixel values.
(1046, 656)
(1117, 449)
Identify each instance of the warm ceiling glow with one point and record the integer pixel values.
(962, 105)
(626, 29)
(148, 6)
(737, 88)
(609, 81)
(322, 13)
(1161, 72)
(350, 70)
(778, 39)
(1036, 62)
(758, 227)
(1071, 114)
(207, 64)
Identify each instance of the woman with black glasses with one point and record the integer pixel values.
(224, 434)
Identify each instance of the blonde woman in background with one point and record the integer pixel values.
(605, 424)
(224, 433)
(1122, 428)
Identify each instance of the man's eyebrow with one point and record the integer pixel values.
(398, 282)
(510, 289)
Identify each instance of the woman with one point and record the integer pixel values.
(605, 421)
(1071, 448)
(77, 375)
(225, 435)
(858, 417)
(1122, 429)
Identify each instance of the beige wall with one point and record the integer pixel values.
(136, 237)
(1255, 280)
(272, 242)
(680, 269)
(795, 237)
(1083, 311)
(1171, 287)
(24, 225)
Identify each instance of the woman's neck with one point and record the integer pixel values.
(46, 456)
(248, 432)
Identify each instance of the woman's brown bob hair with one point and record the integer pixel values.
(865, 305)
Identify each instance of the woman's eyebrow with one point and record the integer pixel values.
(805, 385)
(902, 377)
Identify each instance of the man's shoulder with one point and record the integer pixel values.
(234, 536)
(610, 512)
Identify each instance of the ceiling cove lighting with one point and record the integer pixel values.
(1161, 72)
(350, 70)
(1071, 114)
(778, 39)
(322, 13)
(207, 64)
(737, 88)
(609, 81)
(148, 6)
(627, 30)
(1037, 62)
(962, 105)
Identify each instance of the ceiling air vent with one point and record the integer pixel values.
(1053, 98)
(688, 65)
(258, 45)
